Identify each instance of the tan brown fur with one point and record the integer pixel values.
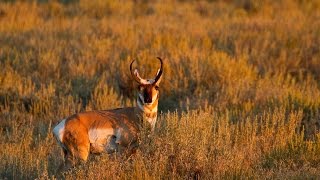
(76, 137)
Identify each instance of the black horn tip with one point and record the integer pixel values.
(132, 63)
(161, 62)
(159, 74)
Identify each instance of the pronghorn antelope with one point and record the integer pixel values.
(109, 131)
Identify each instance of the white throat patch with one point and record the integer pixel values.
(146, 110)
(152, 122)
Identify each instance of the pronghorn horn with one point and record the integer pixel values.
(135, 74)
(159, 73)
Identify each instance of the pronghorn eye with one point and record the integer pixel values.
(156, 87)
(140, 88)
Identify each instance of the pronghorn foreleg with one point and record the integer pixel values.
(124, 145)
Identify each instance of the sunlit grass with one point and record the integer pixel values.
(240, 95)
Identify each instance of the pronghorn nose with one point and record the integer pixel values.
(148, 99)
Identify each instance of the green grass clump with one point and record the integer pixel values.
(240, 95)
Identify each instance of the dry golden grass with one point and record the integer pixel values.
(240, 96)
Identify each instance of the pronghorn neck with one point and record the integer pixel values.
(148, 95)
(147, 112)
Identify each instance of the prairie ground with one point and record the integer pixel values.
(240, 95)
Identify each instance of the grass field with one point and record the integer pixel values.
(240, 95)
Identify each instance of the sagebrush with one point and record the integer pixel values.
(240, 95)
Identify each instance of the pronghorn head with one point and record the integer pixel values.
(148, 89)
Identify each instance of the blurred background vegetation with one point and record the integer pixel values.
(240, 96)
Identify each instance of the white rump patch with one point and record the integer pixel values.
(58, 132)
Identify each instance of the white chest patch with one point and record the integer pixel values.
(96, 135)
(99, 136)
(58, 131)
(102, 140)
(152, 122)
